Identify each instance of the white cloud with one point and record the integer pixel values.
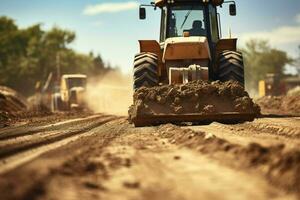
(97, 24)
(279, 36)
(110, 7)
(298, 18)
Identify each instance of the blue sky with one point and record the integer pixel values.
(114, 32)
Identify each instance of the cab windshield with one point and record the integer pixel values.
(76, 82)
(186, 18)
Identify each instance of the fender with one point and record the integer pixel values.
(153, 46)
(226, 44)
(222, 45)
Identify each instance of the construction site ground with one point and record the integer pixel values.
(104, 157)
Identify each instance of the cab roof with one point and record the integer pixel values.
(66, 76)
(161, 3)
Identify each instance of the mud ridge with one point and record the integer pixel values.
(289, 104)
(280, 167)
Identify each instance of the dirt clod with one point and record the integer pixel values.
(91, 185)
(209, 136)
(131, 185)
(177, 157)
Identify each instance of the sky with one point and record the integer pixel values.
(112, 28)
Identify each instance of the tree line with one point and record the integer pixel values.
(29, 55)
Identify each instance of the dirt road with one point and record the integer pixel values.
(105, 157)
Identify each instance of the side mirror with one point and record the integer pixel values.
(142, 13)
(232, 9)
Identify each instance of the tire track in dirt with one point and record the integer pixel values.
(285, 127)
(29, 130)
(8, 148)
(17, 146)
(18, 152)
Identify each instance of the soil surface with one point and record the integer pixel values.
(105, 157)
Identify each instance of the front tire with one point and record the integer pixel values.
(231, 67)
(145, 70)
(57, 103)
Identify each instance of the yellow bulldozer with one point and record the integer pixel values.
(190, 48)
(70, 94)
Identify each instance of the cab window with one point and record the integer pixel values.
(186, 18)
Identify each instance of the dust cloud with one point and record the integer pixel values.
(111, 94)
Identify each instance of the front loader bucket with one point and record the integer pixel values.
(227, 118)
(197, 102)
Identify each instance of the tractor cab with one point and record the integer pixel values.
(180, 18)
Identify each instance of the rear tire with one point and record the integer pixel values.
(231, 67)
(145, 70)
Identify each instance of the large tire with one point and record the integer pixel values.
(231, 67)
(145, 70)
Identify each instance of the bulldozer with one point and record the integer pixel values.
(190, 48)
(70, 94)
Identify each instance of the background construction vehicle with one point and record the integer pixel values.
(190, 48)
(70, 94)
(277, 85)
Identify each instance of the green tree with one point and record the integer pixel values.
(261, 59)
(29, 55)
(297, 62)
(98, 65)
(12, 48)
